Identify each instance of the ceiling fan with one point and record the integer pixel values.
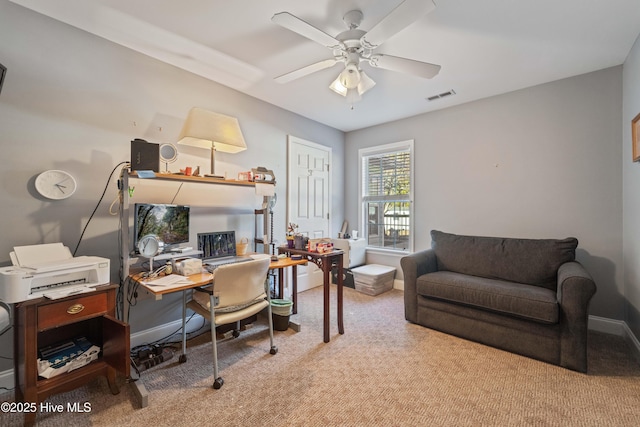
(354, 46)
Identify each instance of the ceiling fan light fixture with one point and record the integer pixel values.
(365, 84)
(350, 76)
(337, 87)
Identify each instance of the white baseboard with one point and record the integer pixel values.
(159, 332)
(616, 327)
(608, 326)
(398, 284)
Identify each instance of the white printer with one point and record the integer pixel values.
(354, 251)
(51, 271)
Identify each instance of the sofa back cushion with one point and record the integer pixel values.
(529, 261)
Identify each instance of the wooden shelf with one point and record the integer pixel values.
(201, 179)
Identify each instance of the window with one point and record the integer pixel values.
(386, 195)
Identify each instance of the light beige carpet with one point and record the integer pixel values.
(382, 372)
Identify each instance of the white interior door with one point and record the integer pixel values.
(308, 198)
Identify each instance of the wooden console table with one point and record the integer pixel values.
(42, 322)
(324, 261)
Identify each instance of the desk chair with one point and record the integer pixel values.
(238, 291)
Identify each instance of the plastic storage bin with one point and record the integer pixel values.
(354, 251)
(373, 279)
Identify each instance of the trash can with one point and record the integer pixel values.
(280, 312)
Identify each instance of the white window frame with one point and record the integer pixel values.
(363, 153)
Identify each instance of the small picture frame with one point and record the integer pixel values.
(635, 137)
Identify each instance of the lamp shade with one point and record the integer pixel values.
(206, 129)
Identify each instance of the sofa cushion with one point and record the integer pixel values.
(526, 301)
(529, 261)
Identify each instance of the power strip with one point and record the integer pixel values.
(153, 360)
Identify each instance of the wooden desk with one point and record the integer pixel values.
(324, 261)
(197, 280)
(204, 279)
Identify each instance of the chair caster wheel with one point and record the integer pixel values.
(218, 383)
(236, 333)
(273, 350)
(182, 358)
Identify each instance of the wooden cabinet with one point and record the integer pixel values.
(43, 322)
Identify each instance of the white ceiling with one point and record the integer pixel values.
(485, 47)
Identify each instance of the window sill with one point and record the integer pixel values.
(390, 252)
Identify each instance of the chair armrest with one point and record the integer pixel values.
(414, 266)
(575, 290)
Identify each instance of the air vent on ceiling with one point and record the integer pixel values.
(441, 95)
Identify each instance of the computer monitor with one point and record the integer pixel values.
(169, 223)
(217, 244)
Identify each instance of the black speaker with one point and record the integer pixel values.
(3, 72)
(145, 155)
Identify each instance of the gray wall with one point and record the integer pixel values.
(542, 162)
(74, 101)
(631, 191)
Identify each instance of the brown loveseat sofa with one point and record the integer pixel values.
(522, 295)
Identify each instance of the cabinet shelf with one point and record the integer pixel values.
(71, 380)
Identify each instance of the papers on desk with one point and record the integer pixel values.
(169, 281)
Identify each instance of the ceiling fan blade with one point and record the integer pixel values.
(297, 25)
(405, 65)
(402, 16)
(301, 72)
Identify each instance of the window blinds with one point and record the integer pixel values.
(387, 176)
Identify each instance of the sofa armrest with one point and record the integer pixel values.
(414, 266)
(575, 290)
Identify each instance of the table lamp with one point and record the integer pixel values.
(216, 132)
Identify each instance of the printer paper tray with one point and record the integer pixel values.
(65, 292)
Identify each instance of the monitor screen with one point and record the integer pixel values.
(170, 223)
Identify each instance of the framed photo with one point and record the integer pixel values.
(635, 137)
